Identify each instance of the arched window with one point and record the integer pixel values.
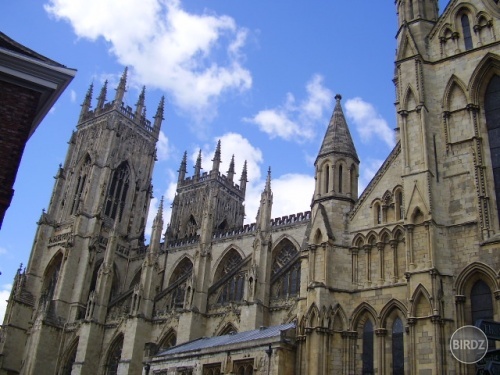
(51, 277)
(80, 184)
(399, 205)
(398, 354)
(492, 113)
(168, 341)
(285, 277)
(368, 368)
(114, 356)
(70, 359)
(327, 178)
(466, 31)
(178, 283)
(377, 211)
(244, 367)
(117, 193)
(340, 178)
(481, 301)
(229, 281)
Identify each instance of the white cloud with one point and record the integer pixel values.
(297, 122)
(368, 122)
(166, 47)
(370, 167)
(4, 296)
(163, 147)
(72, 96)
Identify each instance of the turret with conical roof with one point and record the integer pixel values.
(337, 161)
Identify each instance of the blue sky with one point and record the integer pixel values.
(258, 75)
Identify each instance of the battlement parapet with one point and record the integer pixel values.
(206, 176)
(291, 219)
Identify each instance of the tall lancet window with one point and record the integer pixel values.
(117, 193)
(341, 171)
(398, 353)
(368, 368)
(80, 184)
(492, 113)
(466, 32)
(327, 178)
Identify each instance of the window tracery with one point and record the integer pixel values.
(117, 193)
(285, 274)
(178, 283)
(80, 184)
(244, 367)
(229, 280)
(114, 356)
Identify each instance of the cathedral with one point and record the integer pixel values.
(374, 283)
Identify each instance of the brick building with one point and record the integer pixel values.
(368, 284)
(29, 85)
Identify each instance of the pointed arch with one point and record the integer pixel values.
(230, 259)
(358, 240)
(417, 216)
(118, 188)
(51, 275)
(385, 236)
(398, 233)
(81, 179)
(360, 313)
(420, 302)
(455, 94)
(474, 271)
(228, 329)
(410, 100)
(390, 307)
(229, 249)
(372, 238)
(484, 71)
(178, 282)
(285, 269)
(339, 318)
(312, 316)
(182, 268)
(282, 237)
(113, 356)
(168, 339)
(69, 357)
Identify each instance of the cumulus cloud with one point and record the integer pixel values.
(4, 296)
(296, 121)
(163, 147)
(370, 167)
(166, 47)
(368, 122)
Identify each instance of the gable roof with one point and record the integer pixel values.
(220, 341)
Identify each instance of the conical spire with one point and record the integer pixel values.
(216, 160)
(120, 90)
(268, 181)
(183, 168)
(102, 96)
(197, 167)
(230, 172)
(243, 178)
(87, 102)
(140, 104)
(159, 115)
(337, 138)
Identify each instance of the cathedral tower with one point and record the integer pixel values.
(95, 220)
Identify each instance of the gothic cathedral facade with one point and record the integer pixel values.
(368, 284)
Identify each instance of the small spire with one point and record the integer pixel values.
(243, 178)
(102, 96)
(87, 102)
(268, 180)
(230, 172)
(216, 160)
(183, 168)
(140, 104)
(120, 90)
(159, 214)
(337, 139)
(197, 167)
(159, 115)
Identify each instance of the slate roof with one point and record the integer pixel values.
(337, 138)
(210, 342)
